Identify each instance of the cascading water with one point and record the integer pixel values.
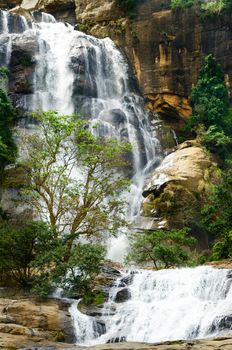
(75, 73)
(164, 305)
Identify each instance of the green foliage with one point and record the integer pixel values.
(73, 270)
(181, 3)
(208, 9)
(222, 249)
(162, 248)
(209, 100)
(35, 258)
(217, 212)
(50, 253)
(214, 8)
(217, 217)
(19, 248)
(88, 258)
(62, 145)
(129, 7)
(8, 149)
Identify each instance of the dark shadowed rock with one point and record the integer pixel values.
(122, 295)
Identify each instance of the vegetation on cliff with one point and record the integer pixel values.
(72, 187)
(208, 8)
(212, 121)
(199, 198)
(211, 117)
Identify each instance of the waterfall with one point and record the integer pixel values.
(164, 305)
(77, 73)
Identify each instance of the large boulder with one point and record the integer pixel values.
(97, 10)
(181, 181)
(63, 10)
(29, 321)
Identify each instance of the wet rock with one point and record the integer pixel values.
(113, 116)
(99, 328)
(96, 311)
(116, 340)
(221, 323)
(122, 295)
(22, 64)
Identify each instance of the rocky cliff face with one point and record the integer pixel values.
(165, 47)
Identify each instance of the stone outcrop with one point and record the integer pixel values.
(63, 10)
(178, 185)
(7, 4)
(165, 47)
(30, 322)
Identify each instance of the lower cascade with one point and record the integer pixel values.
(161, 305)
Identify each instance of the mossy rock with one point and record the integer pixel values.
(177, 204)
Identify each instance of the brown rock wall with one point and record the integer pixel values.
(30, 321)
(165, 47)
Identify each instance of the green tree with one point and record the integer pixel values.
(162, 248)
(72, 180)
(34, 258)
(19, 247)
(209, 98)
(210, 104)
(217, 212)
(75, 275)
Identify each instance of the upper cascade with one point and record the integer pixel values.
(71, 72)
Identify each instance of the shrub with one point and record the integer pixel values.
(129, 7)
(163, 248)
(181, 3)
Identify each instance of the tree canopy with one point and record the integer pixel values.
(72, 183)
(163, 248)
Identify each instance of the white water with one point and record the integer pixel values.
(164, 305)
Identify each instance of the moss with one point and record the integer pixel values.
(84, 27)
(99, 298)
(58, 336)
(171, 202)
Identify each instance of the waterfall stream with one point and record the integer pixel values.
(163, 305)
(77, 73)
